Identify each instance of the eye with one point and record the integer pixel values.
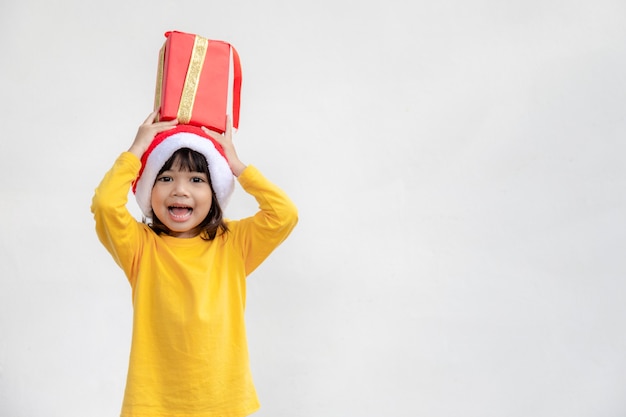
(197, 179)
(164, 178)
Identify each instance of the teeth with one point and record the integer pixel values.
(180, 212)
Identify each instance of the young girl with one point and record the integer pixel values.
(187, 267)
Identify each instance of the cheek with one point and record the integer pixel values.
(157, 195)
(207, 199)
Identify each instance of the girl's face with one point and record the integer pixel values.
(181, 200)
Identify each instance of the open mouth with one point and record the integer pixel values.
(180, 212)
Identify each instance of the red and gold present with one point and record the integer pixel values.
(196, 80)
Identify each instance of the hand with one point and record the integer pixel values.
(226, 141)
(147, 131)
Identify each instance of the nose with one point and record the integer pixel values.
(180, 189)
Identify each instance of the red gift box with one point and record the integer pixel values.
(194, 81)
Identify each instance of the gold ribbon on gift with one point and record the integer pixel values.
(159, 83)
(190, 87)
(191, 80)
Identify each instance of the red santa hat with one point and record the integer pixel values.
(163, 147)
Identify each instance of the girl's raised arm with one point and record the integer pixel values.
(226, 140)
(147, 131)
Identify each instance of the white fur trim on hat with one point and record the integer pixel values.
(222, 178)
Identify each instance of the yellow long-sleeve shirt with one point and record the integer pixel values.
(189, 354)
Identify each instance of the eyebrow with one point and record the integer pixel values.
(184, 170)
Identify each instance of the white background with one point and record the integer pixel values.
(459, 170)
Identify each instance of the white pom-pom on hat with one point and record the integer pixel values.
(163, 147)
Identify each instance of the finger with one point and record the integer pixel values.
(163, 126)
(167, 122)
(213, 133)
(229, 125)
(151, 118)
